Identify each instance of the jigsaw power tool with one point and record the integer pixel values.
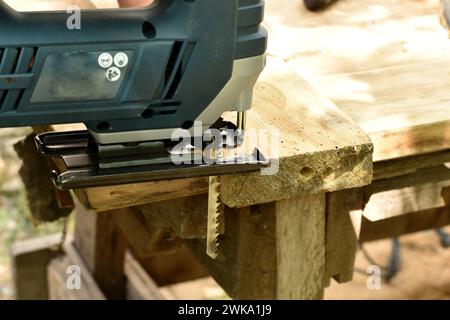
(133, 77)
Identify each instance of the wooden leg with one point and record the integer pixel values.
(300, 247)
(102, 247)
(271, 251)
(341, 238)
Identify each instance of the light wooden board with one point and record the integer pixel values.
(385, 63)
(129, 195)
(392, 203)
(404, 224)
(319, 149)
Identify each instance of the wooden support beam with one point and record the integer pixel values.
(157, 228)
(102, 247)
(29, 261)
(187, 217)
(416, 191)
(246, 265)
(404, 224)
(149, 235)
(145, 233)
(436, 174)
(300, 238)
(407, 165)
(271, 251)
(341, 238)
(392, 203)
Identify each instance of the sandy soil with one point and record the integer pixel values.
(424, 273)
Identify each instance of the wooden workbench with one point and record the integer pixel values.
(268, 218)
(386, 65)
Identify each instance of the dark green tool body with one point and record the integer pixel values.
(180, 52)
(133, 77)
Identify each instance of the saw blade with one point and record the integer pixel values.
(215, 217)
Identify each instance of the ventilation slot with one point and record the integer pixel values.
(164, 108)
(178, 62)
(165, 112)
(14, 61)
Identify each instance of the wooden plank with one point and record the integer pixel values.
(414, 221)
(129, 195)
(404, 224)
(140, 286)
(414, 139)
(58, 277)
(392, 203)
(102, 247)
(402, 166)
(30, 259)
(168, 269)
(365, 57)
(270, 251)
(319, 149)
(355, 36)
(423, 176)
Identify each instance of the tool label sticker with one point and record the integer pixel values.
(113, 74)
(105, 60)
(121, 59)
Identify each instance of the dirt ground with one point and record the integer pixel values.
(424, 272)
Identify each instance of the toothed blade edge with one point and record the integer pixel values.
(215, 217)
